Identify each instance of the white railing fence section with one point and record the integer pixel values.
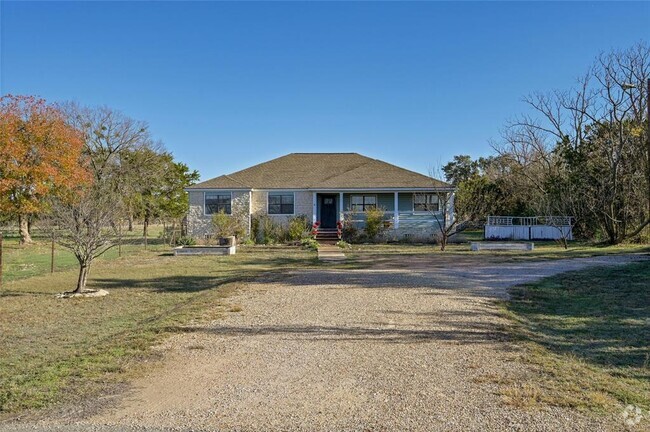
(529, 227)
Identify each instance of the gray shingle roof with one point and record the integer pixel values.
(322, 171)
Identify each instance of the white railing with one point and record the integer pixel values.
(406, 219)
(529, 228)
(529, 220)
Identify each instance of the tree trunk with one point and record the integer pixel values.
(23, 225)
(83, 276)
(130, 222)
(145, 230)
(145, 227)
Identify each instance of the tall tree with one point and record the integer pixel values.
(121, 152)
(39, 157)
(460, 169)
(594, 135)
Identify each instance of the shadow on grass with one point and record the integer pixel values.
(215, 274)
(600, 315)
(176, 283)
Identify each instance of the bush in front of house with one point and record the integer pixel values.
(349, 232)
(266, 230)
(225, 225)
(343, 244)
(298, 228)
(374, 223)
(309, 243)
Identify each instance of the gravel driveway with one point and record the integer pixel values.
(379, 349)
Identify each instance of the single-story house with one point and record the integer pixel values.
(325, 187)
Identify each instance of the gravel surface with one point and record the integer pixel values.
(383, 349)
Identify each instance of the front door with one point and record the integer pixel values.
(328, 211)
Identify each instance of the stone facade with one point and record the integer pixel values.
(199, 225)
(302, 203)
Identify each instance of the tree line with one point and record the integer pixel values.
(582, 152)
(84, 172)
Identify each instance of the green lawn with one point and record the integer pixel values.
(20, 262)
(56, 350)
(587, 336)
(543, 250)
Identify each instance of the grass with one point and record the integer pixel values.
(543, 250)
(586, 335)
(582, 330)
(20, 262)
(56, 350)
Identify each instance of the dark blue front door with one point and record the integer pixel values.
(328, 211)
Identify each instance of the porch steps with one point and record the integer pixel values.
(327, 235)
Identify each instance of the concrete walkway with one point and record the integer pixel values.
(330, 253)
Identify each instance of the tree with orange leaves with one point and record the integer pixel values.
(40, 157)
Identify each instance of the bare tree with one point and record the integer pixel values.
(558, 208)
(87, 224)
(120, 152)
(439, 203)
(594, 135)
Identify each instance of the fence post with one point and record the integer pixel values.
(52, 255)
(0, 259)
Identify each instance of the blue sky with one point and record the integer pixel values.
(227, 85)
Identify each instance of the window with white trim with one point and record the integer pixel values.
(362, 202)
(426, 202)
(217, 202)
(280, 203)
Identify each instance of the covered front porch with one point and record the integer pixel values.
(404, 210)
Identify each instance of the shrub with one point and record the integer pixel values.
(349, 232)
(267, 231)
(299, 227)
(185, 241)
(226, 225)
(343, 244)
(374, 222)
(309, 243)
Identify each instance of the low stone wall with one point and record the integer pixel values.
(205, 250)
(477, 246)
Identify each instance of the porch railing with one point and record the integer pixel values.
(407, 219)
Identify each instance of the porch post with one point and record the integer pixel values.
(341, 206)
(450, 208)
(315, 207)
(250, 212)
(396, 211)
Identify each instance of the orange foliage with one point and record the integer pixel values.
(40, 154)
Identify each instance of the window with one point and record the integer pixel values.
(426, 202)
(216, 202)
(363, 202)
(280, 203)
